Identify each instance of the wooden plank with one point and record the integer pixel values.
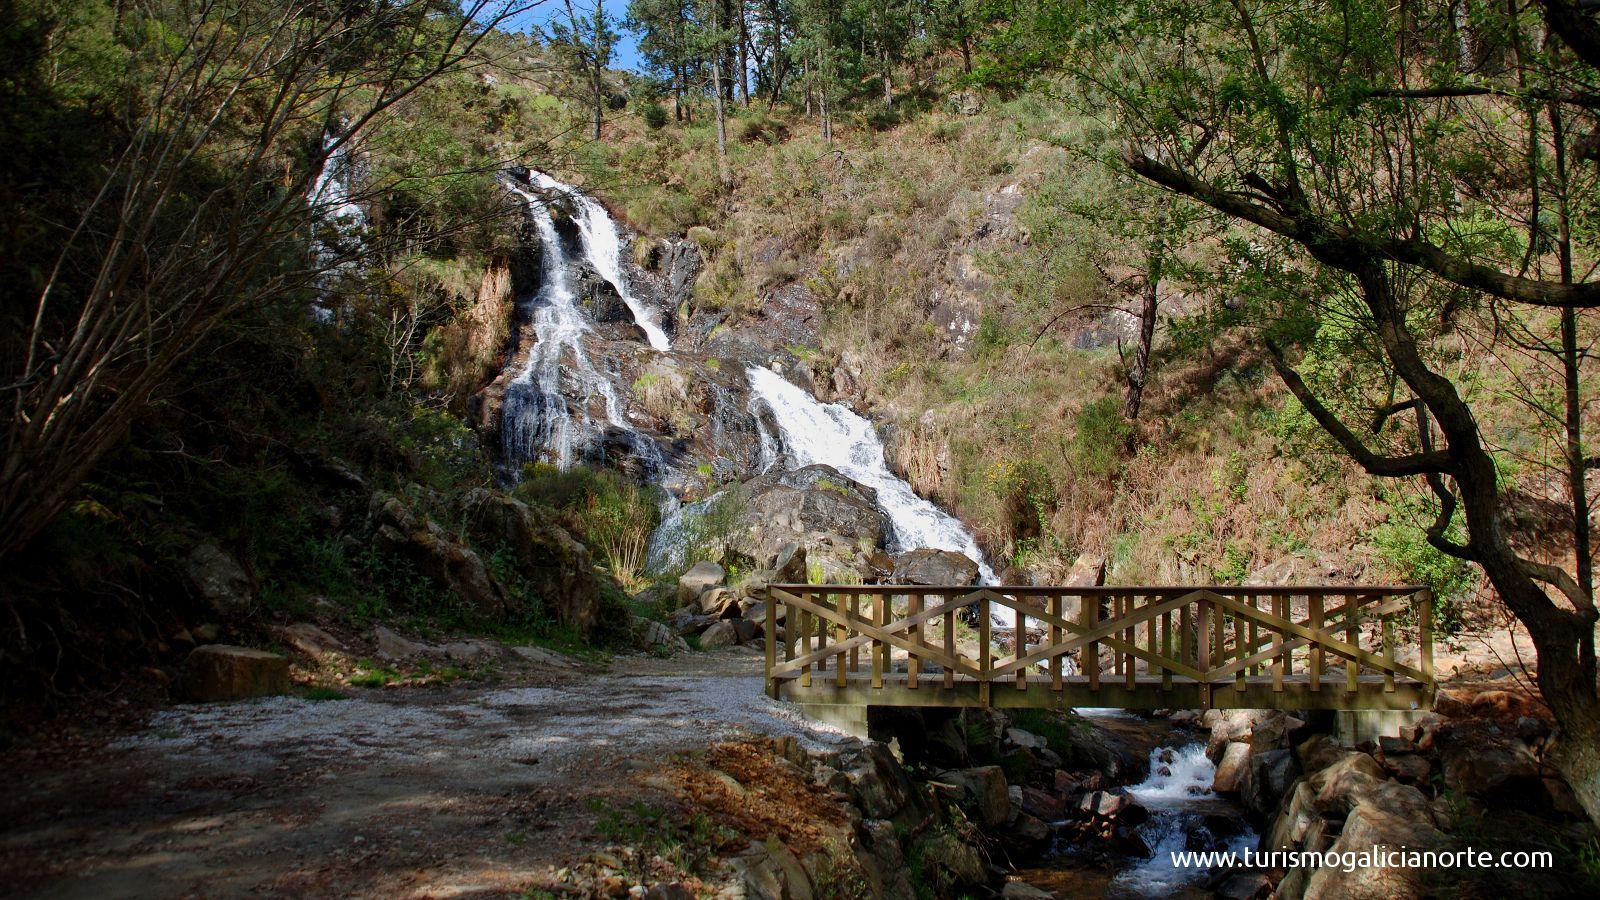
(914, 662)
(855, 649)
(984, 650)
(842, 634)
(1314, 663)
(805, 635)
(868, 632)
(1241, 646)
(1333, 646)
(1056, 604)
(1280, 664)
(1019, 639)
(1129, 658)
(1154, 590)
(1203, 647)
(772, 648)
(1352, 634)
(1388, 654)
(1089, 659)
(949, 647)
(1166, 649)
(879, 650)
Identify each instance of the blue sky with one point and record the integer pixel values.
(626, 54)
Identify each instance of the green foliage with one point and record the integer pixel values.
(691, 842)
(1102, 437)
(654, 115)
(602, 508)
(1403, 545)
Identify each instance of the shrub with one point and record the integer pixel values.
(1101, 436)
(654, 115)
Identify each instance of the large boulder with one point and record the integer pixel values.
(934, 567)
(559, 569)
(218, 672)
(836, 519)
(309, 640)
(218, 579)
(1483, 760)
(1370, 825)
(722, 634)
(654, 635)
(1230, 771)
(700, 577)
(1268, 777)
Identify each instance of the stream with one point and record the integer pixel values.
(1184, 815)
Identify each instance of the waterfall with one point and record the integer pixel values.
(1178, 795)
(830, 433)
(603, 246)
(339, 220)
(537, 419)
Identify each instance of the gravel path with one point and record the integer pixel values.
(394, 792)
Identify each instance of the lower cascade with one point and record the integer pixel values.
(1185, 815)
(829, 433)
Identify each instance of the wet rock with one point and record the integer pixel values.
(984, 793)
(1028, 739)
(654, 635)
(1245, 886)
(1021, 890)
(718, 636)
(1028, 829)
(1117, 805)
(1267, 779)
(700, 577)
(217, 672)
(1043, 805)
(218, 579)
(930, 566)
(1230, 771)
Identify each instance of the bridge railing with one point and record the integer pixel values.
(1134, 645)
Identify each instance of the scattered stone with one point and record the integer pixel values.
(701, 575)
(930, 566)
(1021, 890)
(654, 635)
(1026, 739)
(1043, 804)
(307, 639)
(719, 602)
(207, 633)
(1029, 829)
(394, 648)
(217, 672)
(745, 630)
(1481, 759)
(541, 656)
(718, 636)
(471, 652)
(790, 565)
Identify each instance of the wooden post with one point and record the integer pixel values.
(1255, 636)
(983, 651)
(949, 644)
(1242, 647)
(1129, 636)
(1057, 603)
(1019, 640)
(880, 650)
(1166, 649)
(1352, 636)
(1186, 634)
(772, 644)
(1425, 634)
(1203, 651)
(1315, 664)
(843, 634)
(1090, 657)
(1279, 665)
(914, 662)
(805, 642)
(855, 613)
(821, 629)
(1388, 653)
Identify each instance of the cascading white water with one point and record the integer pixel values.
(1177, 794)
(537, 416)
(603, 245)
(340, 220)
(831, 434)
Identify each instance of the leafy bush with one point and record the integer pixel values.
(1102, 435)
(654, 115)
(606, 512)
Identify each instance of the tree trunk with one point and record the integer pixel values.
(744, 57)
(722, 125)
(1139, 370)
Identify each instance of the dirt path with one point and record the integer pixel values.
(420, 791)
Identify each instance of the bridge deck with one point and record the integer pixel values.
(1314, 647)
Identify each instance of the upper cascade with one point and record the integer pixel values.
(831, 434)
(603, 245)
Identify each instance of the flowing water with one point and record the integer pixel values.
(338, 219)
(603, 245)
(1184, 815)
(830, 433)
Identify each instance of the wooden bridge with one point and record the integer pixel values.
(1275, 647)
